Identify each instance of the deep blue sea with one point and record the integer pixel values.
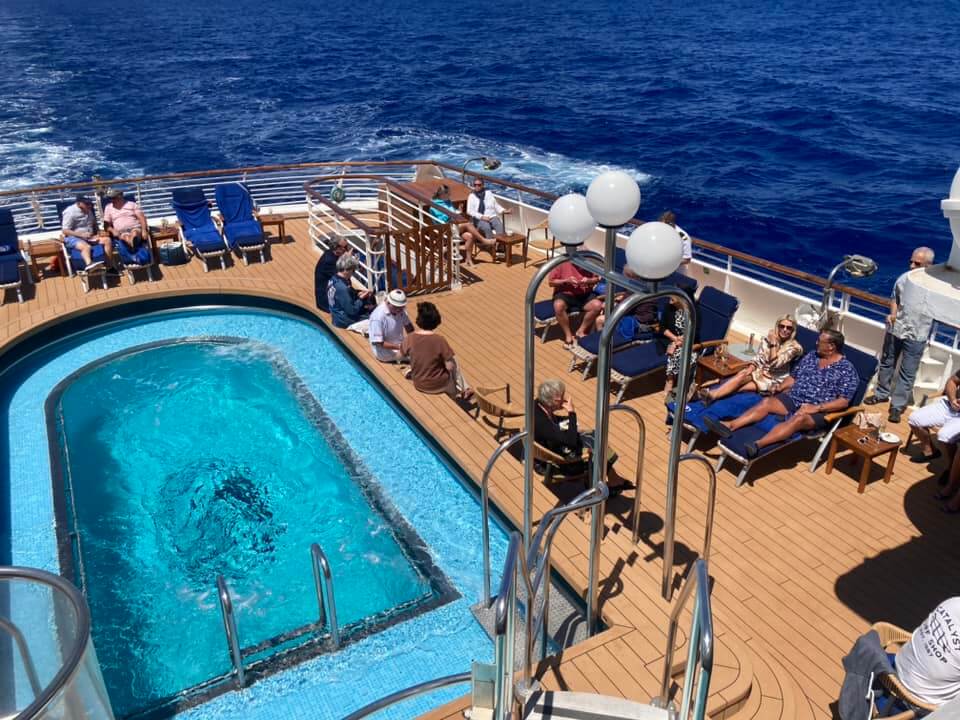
(797, 131)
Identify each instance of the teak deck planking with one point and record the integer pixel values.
(802, 564)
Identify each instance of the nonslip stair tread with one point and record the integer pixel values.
(587, 706)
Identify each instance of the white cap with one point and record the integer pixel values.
(397, 298)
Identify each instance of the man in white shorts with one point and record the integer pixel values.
(387, 324)
(943, 412)
(929, 663)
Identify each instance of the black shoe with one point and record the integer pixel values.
(873, 400)
(717, 427)
(751, 450)
(113, 272)
(894, 415)
(926, 458)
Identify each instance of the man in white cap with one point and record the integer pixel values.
(387, 324)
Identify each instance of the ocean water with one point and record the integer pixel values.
(797, 131)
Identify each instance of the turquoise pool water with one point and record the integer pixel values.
(411, 479)
(197, 459)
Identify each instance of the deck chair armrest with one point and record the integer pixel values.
(499, 388)
(831, 416)
(708, 344)
(890, 634)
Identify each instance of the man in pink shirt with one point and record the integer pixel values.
(124, 219)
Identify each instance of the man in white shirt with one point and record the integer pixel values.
(484, 210)
(670, 218)
(387, 324)
(929, 663)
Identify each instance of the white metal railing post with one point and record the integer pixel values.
(728, 274)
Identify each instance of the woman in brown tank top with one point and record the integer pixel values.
(433, 366)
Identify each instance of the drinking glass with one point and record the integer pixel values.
(722, 354)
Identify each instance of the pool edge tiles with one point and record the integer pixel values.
(435, 643)
(294, 645)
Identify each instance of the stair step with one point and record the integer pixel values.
(586, 706)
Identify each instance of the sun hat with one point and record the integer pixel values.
(397, 298)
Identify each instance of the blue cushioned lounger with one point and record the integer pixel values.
(196, 225)
(73, 259)
(241, 229)
(715, 310)
(588, 347)
(11, 259)
(735, 446)
(139, 259)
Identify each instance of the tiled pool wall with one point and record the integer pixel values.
(414, 478)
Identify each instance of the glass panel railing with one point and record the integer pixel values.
(48, 667)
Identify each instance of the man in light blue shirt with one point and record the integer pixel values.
(908, 328)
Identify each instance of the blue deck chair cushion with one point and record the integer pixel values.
(193, 212)
(236, 209)
(10, 257)
(97, 253)
(628, 330)
(204, 239)
(639, 359)
(715, 310)
(724, 409)
(140, 256)
(543, 310)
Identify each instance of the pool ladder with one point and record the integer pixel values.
(323, 584)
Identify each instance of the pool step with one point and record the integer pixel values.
(577, 706)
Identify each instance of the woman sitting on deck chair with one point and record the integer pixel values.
(561, 435)
(771, 367)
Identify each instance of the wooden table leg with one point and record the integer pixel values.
(888, 475)
(831, 456)
(864, 474)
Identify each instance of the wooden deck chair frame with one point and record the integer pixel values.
(891, 639)
(549, 243)
(489, 405)
(554, 462)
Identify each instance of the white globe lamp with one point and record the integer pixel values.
(654, 250)
(570, 220)
(613, 198)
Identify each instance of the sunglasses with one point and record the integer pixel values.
(784, 327)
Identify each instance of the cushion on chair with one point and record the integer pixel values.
(715, 310)
(736, 443)
(543, 310)
(725, 409)
(97, 254)
(639, 359)
(140, 256)
(243, 232)
(9, 270)
(205, 239)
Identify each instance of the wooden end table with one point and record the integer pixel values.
(45, 251)
(164, 234)
(712, 364)
(274, 221)
(866, 447)
(508, 242)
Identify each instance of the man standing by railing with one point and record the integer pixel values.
(908, 328)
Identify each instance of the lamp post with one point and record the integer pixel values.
(489, 163)
(856, 266)
(654, 251)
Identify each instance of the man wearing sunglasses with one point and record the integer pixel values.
(484, 210)
(908, 328)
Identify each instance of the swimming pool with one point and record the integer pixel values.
(412, 480)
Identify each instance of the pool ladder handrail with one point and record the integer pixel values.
(230, 628)
(700, 644)
(323, 584)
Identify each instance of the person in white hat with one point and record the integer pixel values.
(387, 324)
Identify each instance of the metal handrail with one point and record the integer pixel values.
(711, 501)
(323, 584)
(74, 654)
(230, 628)
(407, 693)
(700, 643)
(504, 627)
(27, 659)
(485, 508)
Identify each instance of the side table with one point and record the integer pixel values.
(866, 447)
(274, 221)
(46, 251)
(716, 368)
(508, 242)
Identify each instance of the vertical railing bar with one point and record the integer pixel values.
(27, 658)
(230, 628)
(322, 567)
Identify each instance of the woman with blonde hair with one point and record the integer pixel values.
(776, 355)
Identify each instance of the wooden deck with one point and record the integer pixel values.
(802, 563)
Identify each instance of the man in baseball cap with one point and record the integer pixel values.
(387, 325)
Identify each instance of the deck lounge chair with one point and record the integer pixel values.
(734, 447)
(490, 405)
(242, 230)
(715, 310)
(12, 259)
(587, 348)
(733, 405)
(197, 227)
(73, 259)
(139, 259)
